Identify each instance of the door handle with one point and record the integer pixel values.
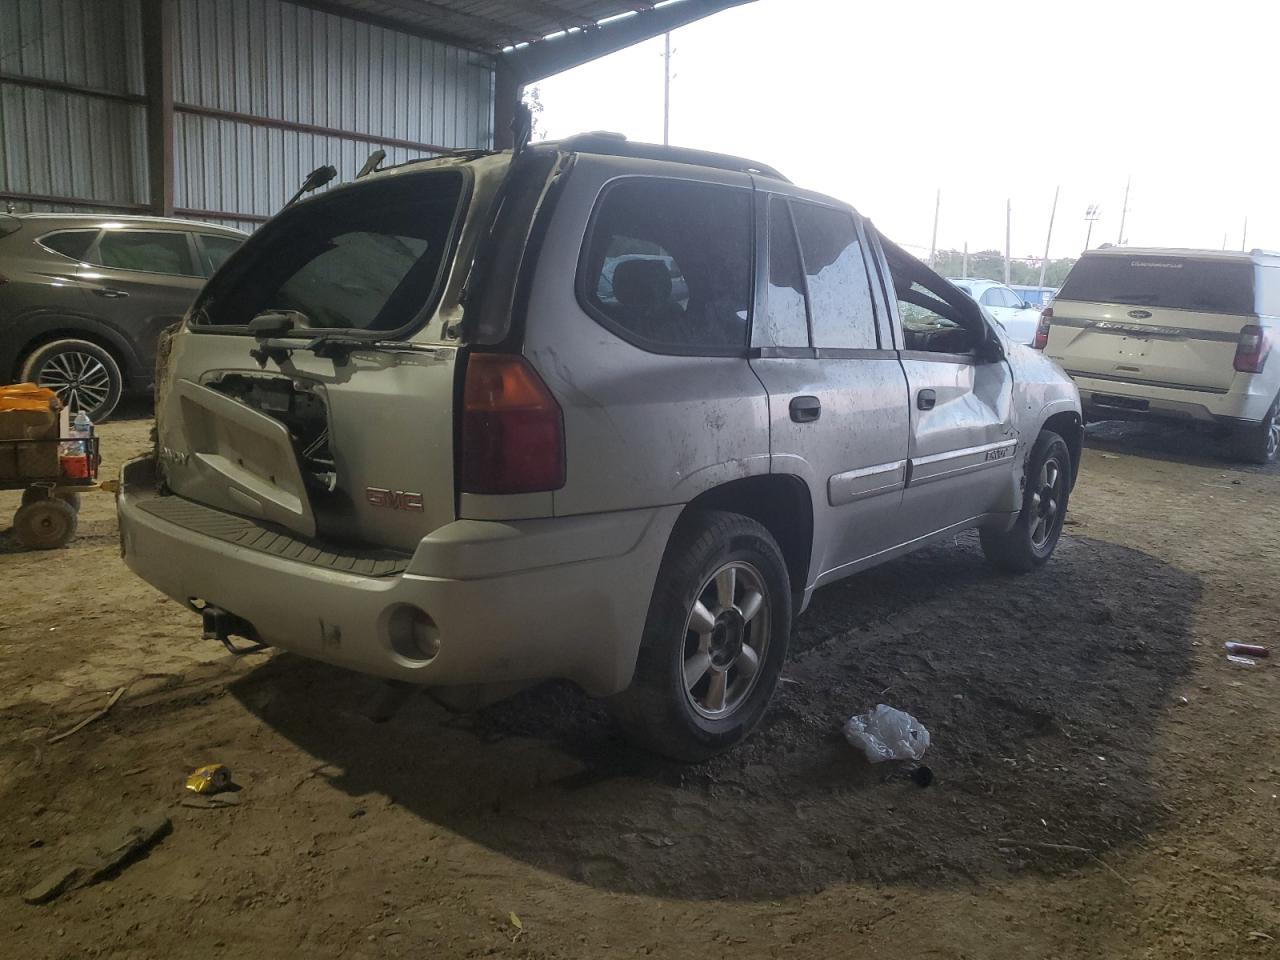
(926, 399)
(805, 409)
(111, 293)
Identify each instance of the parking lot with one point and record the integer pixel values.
(1105, 780)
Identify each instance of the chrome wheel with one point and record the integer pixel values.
(726, 637)
(81, 380)
(1045, 502)
(1273, 438)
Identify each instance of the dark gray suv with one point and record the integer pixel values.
(83, 298)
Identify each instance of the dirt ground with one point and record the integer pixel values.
(1088, 706)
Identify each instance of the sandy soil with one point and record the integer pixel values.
(1088, 705)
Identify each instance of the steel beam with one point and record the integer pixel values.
(158, 41)
(254, 120)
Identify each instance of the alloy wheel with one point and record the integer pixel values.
(80, 380)
(726, 637)
(1045, 502)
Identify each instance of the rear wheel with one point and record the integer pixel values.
(45, 524)
(714, 641)
(1260, 442)
(1032, 539)
(83, 375)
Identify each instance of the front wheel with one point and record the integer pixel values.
(714, 642)
(1030, 542)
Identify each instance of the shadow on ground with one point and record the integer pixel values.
(1043, 695)
(1172, 442)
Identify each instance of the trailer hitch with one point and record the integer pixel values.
(222, 626)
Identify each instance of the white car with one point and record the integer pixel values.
(1018, 317)
(1179, 335)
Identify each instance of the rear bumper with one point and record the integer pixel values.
(513, 602)
(1117, 399)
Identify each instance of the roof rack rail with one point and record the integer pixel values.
(617, 145)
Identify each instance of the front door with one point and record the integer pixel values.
(837, 394)
(962, 439)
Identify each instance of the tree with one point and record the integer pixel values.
(989, 265)
(533, 100)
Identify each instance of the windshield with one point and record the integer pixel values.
(365, 259)
(1178, 283)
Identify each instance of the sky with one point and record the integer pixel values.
(884, 104)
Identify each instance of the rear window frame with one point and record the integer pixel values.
(582, 289)
(1065, 296)
(400, 334)
(93, 242)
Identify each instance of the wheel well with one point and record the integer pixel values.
(781, 504)
(1068, 426)
(49, 336)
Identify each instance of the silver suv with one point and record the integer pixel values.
(605, 411)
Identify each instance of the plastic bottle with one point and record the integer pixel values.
(73, 453)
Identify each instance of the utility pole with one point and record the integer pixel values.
(933, 244)
(1008, 228)
(1124, 210)
(1090, 215)
(1244, 236)
(964, 267)
(1044, 264)
(666, 89)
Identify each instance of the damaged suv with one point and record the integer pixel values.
(601, 411)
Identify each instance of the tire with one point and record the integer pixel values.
(82, 374)
(1260, 443)
(31, 495)
(734, 663)
(1030, 542)
(45, 525)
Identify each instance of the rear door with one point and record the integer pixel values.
(1159, 320)
(142, 280)
(352, 440)
(961, 408)
(837, 395)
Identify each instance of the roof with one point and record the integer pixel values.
(101, 218)
(1190, 253)
(494, 25)
(617, 145)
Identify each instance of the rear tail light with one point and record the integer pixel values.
(1042, 329)
(512, 428)
(1252, 349)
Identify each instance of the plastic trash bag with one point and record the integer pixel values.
(887, 734)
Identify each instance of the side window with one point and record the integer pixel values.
(154, 251)
(668, 263)
(994, 297)
(787, 323)
(70, 243)
(839, 291)
(214, 250)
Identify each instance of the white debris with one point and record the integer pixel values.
(887, 734)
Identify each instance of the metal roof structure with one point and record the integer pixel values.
(534, 37)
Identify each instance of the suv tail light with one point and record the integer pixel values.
(1042, 329)
(1252, 349)
(512, 428)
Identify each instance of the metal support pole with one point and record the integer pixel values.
(964, 264)
(933, 244)
(1044, 264)
(507, 90)
(1244, 236)
(1008, 229)
(666, 89)
(1124, 210)
(157, 60)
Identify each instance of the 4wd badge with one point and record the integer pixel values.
(394, 499)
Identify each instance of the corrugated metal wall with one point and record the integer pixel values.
(64, 144)
(274, 60)
(271, 90)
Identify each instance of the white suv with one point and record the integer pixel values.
(1181, 335)
(605, 411)
(1018, 317)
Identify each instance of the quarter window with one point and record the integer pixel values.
(668, 264)
(839, 291)
(215, 250)
(70, 243)
(153, 251)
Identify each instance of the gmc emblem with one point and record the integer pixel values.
(394, 499)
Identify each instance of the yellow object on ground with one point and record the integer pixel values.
(209, 779)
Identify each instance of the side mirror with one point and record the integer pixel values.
(1027, 306)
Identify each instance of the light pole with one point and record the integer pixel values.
(1090, 215)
